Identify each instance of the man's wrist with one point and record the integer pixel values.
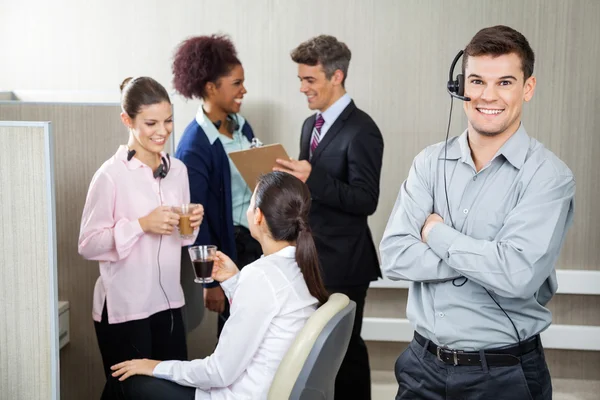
(427, 229)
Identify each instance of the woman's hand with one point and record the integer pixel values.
(223, 268)
(197, 216)
(134, 367)
(160, 221)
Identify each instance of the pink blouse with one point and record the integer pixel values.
(133, 264)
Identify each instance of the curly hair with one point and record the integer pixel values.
(202, 59)
(325, 50)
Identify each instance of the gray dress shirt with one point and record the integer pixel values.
(510, 221)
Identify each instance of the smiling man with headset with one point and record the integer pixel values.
(477, 227)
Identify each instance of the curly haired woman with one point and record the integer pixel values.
(207, 68)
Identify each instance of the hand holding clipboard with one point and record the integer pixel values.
(301, 169)
(257, 161)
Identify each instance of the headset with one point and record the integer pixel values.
(456, 90)
(232, 124)
(160, 173)
(162, 170)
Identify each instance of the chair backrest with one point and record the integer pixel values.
(310, 366)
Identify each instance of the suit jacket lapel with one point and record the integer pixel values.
(305, 138)
(333, 131)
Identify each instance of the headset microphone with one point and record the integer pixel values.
(456, 88)
(130, 154)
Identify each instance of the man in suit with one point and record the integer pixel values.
(341, 151)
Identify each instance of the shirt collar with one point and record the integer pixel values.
(134, 163)
(455, 147)
(514, 149)
(286, 252)
(334, 111)
(211, 132)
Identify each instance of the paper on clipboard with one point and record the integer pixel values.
(254, 162)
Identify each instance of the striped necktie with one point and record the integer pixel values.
(316, 135)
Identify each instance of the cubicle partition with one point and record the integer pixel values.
(29, 356)
(7, 96)
(85, 135)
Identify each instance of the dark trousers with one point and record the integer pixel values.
(146, 338)
(421, 375)
(353, 380)
(248, 251)
(141, 387)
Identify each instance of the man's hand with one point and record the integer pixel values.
(300, 169)
(429, 224)
(214, 299)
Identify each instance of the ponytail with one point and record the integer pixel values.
(285, 202)
(308, 261)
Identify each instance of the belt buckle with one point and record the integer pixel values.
(453, 352)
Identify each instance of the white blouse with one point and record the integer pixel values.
(270, 304)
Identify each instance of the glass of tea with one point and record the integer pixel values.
(203, 258)
(185, 226)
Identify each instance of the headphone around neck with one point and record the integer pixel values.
(162, 170)
(232, 124)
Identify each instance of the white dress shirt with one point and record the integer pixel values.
(270, 304)
(333, 112)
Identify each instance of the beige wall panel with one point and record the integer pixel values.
(575, 310)
(386, 303)
(7, 96)
(29, 328)
(84, 137)
(566, 309)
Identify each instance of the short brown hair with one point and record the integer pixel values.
(325, 50)
(499, 40)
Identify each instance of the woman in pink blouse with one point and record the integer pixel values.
(128, 226)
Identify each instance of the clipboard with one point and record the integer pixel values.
(254, 162)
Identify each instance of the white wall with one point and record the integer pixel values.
(69, 45)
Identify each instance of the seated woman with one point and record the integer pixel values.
(271, 299)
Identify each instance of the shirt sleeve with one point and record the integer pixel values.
(102, 237)
(525, 250)
(230, 285)
(404, 256)
(252, 309)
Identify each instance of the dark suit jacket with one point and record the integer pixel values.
(344, 184)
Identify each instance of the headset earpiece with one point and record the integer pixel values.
(456, 88)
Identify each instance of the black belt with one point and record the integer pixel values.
(501, 357)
